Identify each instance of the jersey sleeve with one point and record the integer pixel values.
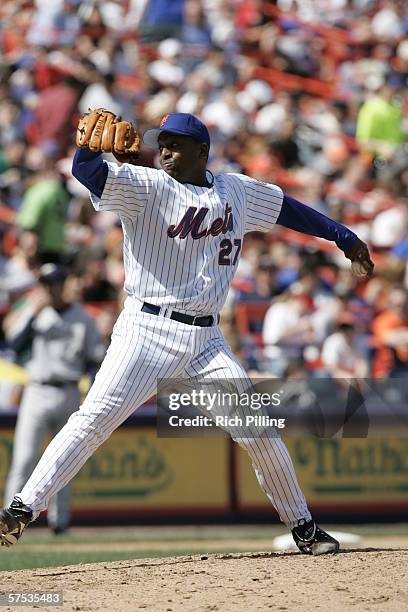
(263, 204)
(127, 190)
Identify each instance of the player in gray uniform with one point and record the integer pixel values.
(64, 345)
(183, 230)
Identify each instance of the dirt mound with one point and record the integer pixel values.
(352, 580)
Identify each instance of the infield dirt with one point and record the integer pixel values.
(365, 579)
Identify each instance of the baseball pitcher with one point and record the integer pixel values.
(183, 230)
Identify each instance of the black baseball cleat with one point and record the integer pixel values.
(311, 540)
(13, 521)
(58, 530)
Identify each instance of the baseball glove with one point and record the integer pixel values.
(361, 264)
(102, 130)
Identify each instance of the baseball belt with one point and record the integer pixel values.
(207, 321)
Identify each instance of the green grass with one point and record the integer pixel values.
(152, 534)
(85, 535)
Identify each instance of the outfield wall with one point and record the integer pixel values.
(138, 477)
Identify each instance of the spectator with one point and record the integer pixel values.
(166, 70)
(287, 329)
(379, 123)
(100, 94)
(94, 285)
(43, 211)
(195, 33)
(67, 23)
(21, 268)
(162, 19)
(390, 330)
(390, 226)
(341, 356)
(224, 113)
(55, 107)
(264, 285)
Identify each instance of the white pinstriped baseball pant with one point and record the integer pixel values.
(146, 348)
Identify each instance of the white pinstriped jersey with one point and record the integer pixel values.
(182, 242)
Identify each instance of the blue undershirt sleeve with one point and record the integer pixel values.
(301, 218)
(90, 170)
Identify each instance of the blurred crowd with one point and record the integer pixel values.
(310, 95)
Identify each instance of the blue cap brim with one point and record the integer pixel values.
(151, 137)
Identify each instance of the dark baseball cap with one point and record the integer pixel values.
(52, 273)
(178, 123)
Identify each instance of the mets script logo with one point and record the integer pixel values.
(193, 222)
(163, 121)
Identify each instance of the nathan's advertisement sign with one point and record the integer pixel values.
(335, 472)
(136, 468)
(136, 471)
(6, 450)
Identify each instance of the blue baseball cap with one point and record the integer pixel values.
(178, 123)
(51, 273)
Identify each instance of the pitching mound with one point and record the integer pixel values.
(355, 580)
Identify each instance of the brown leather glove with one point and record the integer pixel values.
(359, 255)
(102, 130)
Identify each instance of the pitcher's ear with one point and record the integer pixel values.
(204, 150)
